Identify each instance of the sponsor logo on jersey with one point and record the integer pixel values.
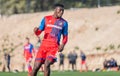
(55, 26)
(27, 47)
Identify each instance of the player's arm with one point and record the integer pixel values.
(65, 37)
(64, 41)
(24, 53)
(38, 30)
(33, 51)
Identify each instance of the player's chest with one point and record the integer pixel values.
(27, 47)
(54, 23)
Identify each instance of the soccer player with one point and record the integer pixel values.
(53, 26)
(83, 61)
(70, 59)
(7, 60)
(61, 62)
(74, 60)
(28, 50)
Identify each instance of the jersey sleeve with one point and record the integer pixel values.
(65, 29)
(24, 51)
(65, 33)
(31, 48)
(42, 25)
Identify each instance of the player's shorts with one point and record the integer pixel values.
(29, 59)
(61, 62)
(83, 62)
(72, 62)
(47, 50)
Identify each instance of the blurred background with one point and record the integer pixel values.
(94, 28)
(8, 7)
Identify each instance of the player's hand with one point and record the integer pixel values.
(61, 47)
(35, 29)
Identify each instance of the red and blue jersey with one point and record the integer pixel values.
(53, 28)
(28, 49)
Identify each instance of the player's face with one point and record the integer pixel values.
(27, 41)
(59, 11)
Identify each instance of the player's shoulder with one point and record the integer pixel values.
(48, 16)
(63, 19)
(31, 44)
(25, 45)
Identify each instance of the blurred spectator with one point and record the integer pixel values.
(28, 51)
(72, 56)
(110, 65)
(105, 64)
(113, 64)
(83, 61)
(61, 62)
(7, 58)
(70, 59)
(74, 60)
(23, 67)
(38, 43)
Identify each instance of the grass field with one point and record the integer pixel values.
(65, 74)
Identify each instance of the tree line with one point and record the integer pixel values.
(8, 7)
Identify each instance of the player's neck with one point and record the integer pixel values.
(56, 16)
(27, 43)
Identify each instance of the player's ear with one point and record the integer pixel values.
(55, 9)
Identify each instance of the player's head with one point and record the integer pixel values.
(59, 10)
(81, 51)
(73, 51)
(27, 40)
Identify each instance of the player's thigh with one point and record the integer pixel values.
(37, 65)
(41, 55)
(48, 62)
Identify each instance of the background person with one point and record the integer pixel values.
(61, 62)
(83, 61)
(28, 50)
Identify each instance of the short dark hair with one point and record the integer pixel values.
(58, 5)
(27, 38)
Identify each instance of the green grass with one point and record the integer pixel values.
(65, 74)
